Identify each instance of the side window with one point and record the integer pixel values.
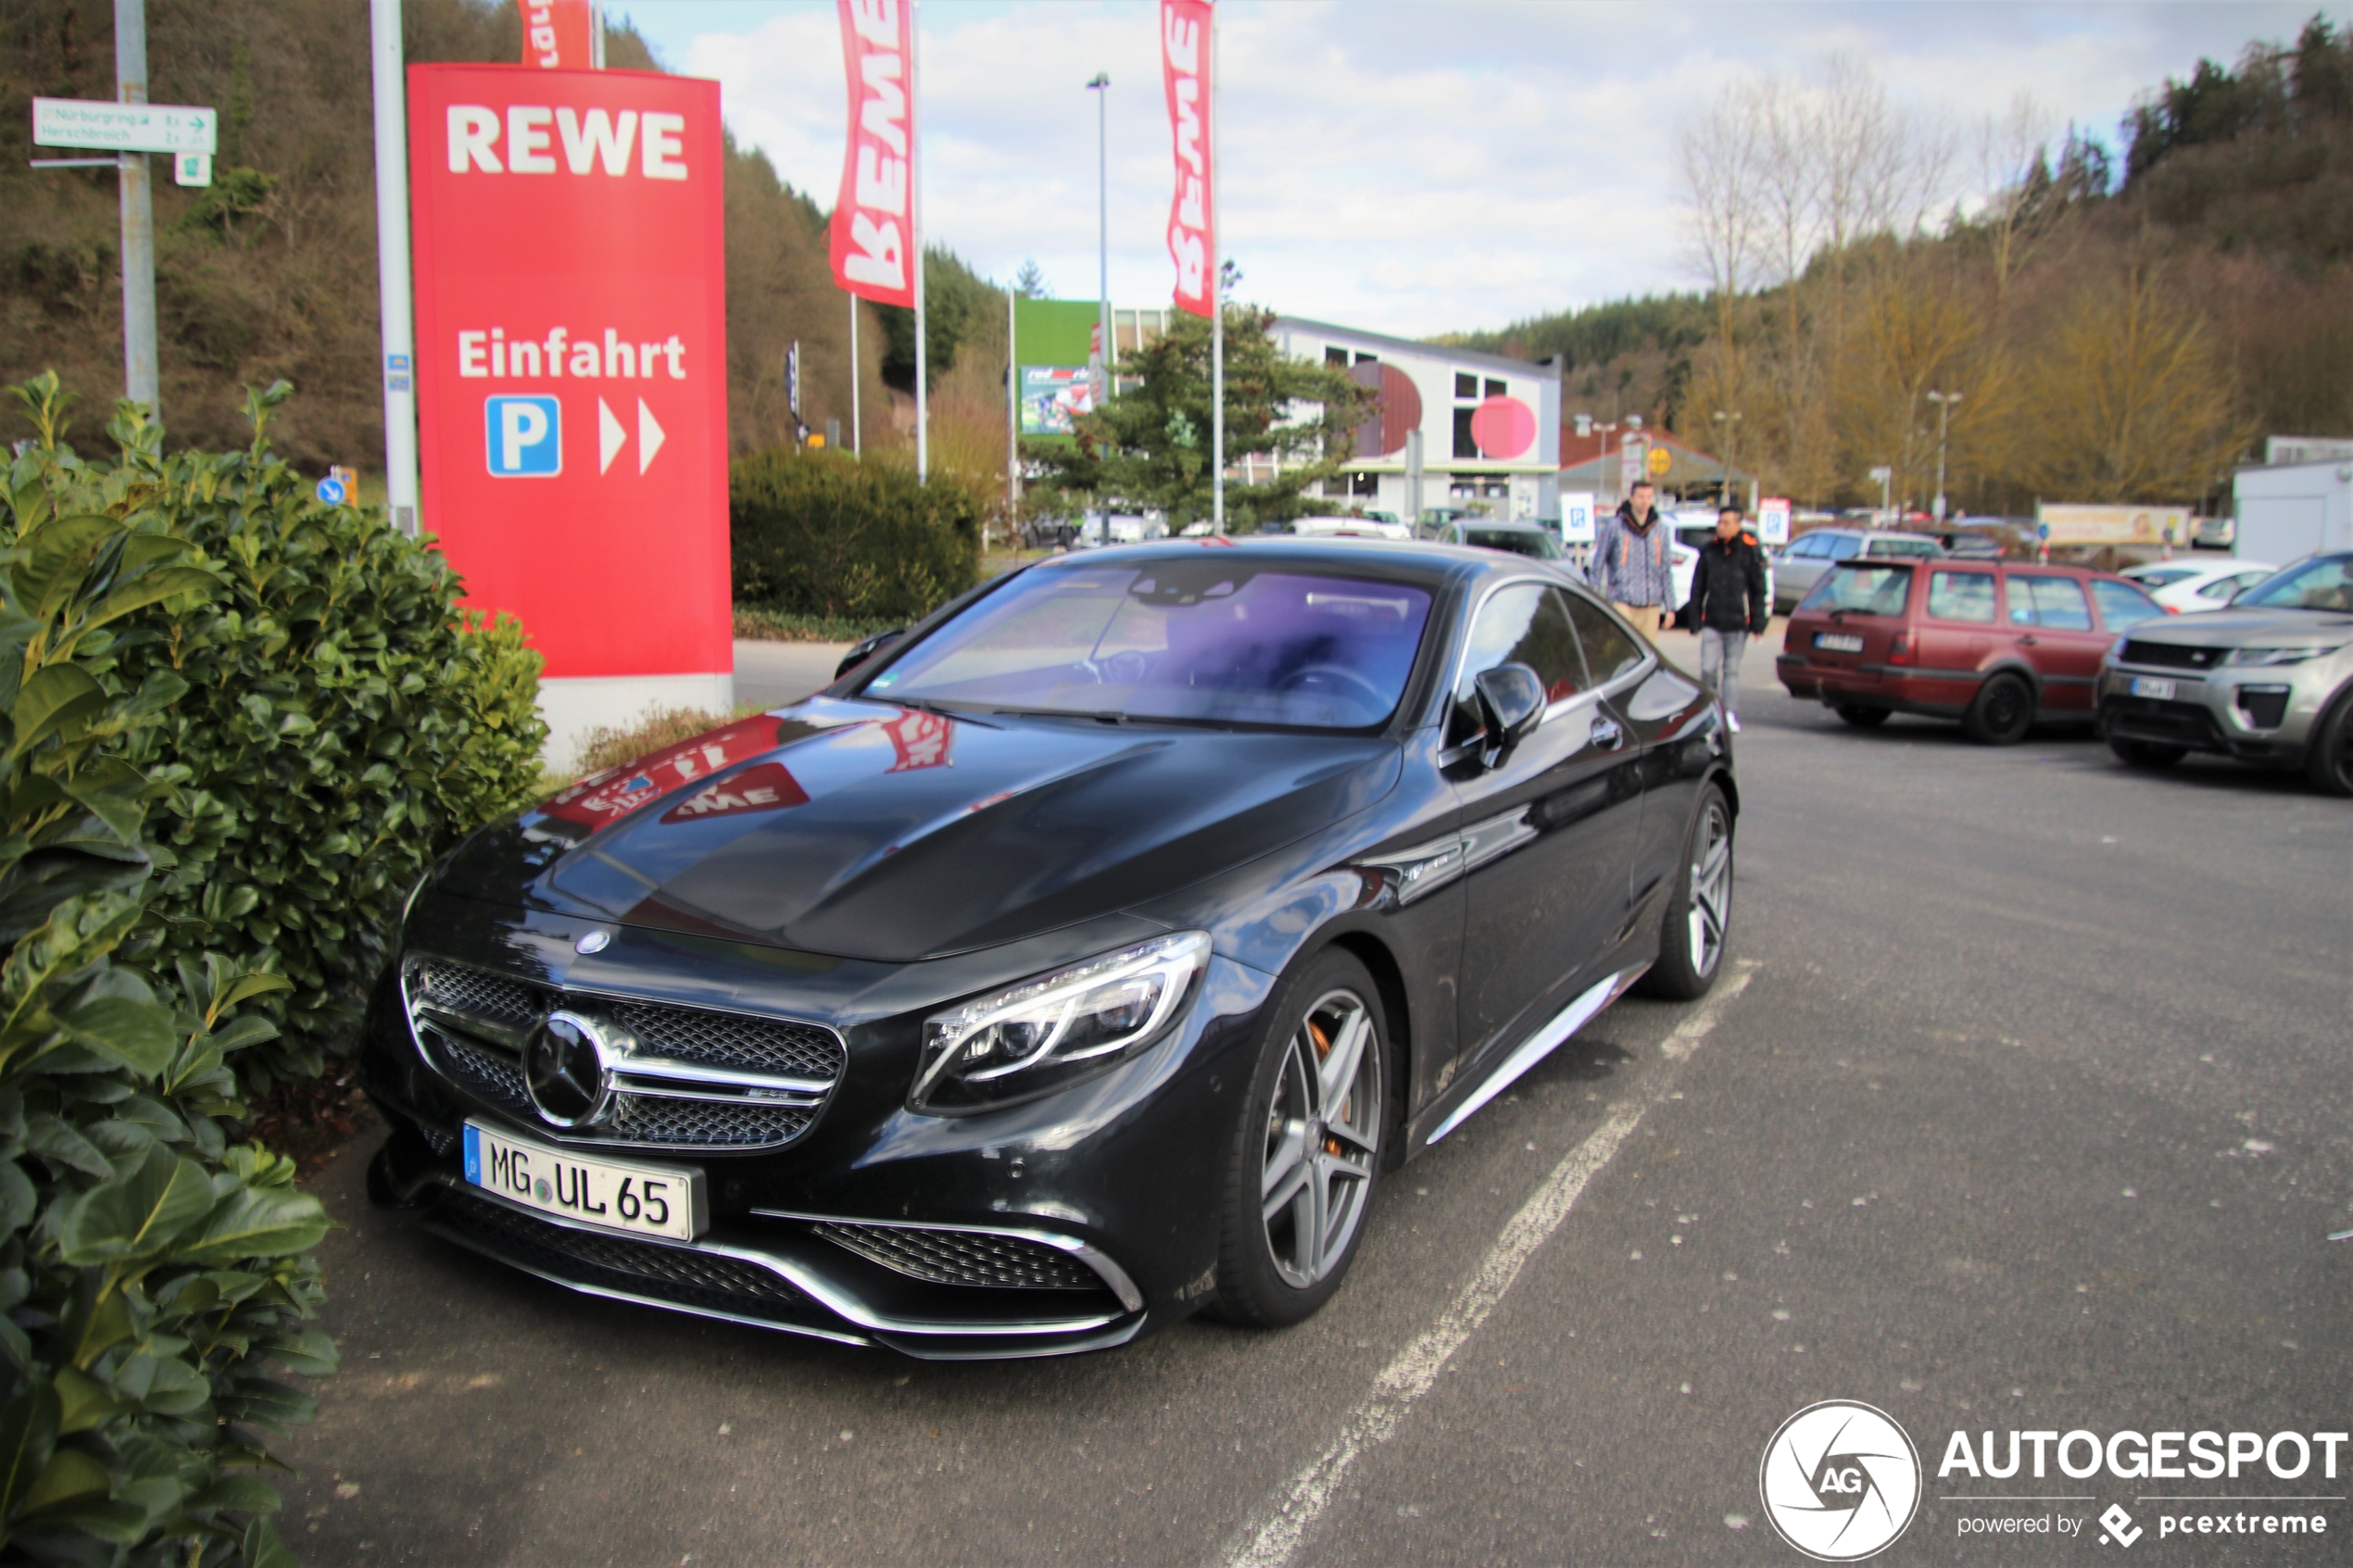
(1807, 548)
(2122, 606)
(1845, 546)
(2055, 602)
(1520, 623)
(1961, 596)
(1609, 652)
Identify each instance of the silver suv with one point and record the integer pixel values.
(2269, 680)
(1810, 558)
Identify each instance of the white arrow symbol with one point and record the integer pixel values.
(649, 436)
(609, 436)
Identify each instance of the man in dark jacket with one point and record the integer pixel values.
(1730, 603)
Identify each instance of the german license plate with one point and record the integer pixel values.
(2153, 685)
(1839, 642)
(620, 1195)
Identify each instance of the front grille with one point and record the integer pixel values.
(644, 1268)
(477, 993)
(731, 1039)
(653, 1121)
(942, 1257)
(701, 1123)
(493, 1009)
(2170, 655)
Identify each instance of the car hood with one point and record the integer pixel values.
(2248, 628)
(869, 830)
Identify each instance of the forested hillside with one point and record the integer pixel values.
(2114, 332)
(272, 271)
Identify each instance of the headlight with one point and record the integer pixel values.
(1051, 1031)
(2277, 655)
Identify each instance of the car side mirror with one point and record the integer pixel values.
(862, 652)
(1510, 699)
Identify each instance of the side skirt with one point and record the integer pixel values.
(1537, 1047)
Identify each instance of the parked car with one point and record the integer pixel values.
(2186, 587)
(1812, 554)
(2269, 680)
(1348, 528)
(2214, 532)
(1250, 880)
(1996, 645)
(1518, 538)
(1968, 545)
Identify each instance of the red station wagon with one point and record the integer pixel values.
(1995, 645)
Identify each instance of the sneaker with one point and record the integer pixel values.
(1732, 722)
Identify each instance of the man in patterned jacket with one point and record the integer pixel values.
(1631, 562)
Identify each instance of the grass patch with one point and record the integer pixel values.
(792, 626)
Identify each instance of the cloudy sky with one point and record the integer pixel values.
(1406, 166)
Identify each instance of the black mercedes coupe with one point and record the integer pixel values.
(1080, 960)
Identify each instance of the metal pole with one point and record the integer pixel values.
(915, 155)
(1414, 476)
(1101, 84)
(1217, 304)
(393, 298)
(857, 371)
(1012, 418)
(139, 378)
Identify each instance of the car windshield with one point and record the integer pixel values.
(2323, 582)
(1861, 588)
(1216, 640)
(1519, 541)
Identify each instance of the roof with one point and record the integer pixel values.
(1434, 350)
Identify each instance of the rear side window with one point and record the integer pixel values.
(1609, 652)
(1861, 588)
(2122, 606)
(2053, 602)
(1961, 596)
(1913, 549)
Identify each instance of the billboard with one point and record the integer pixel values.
(1051, 396)
(570, 362)
(2114, 525)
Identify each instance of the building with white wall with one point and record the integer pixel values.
(1489, 427)
(2291, 509)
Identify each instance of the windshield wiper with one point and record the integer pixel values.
(927, 705)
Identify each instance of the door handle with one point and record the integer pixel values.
(1607, 734)
(2030, 642)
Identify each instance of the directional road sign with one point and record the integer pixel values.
(124, 128)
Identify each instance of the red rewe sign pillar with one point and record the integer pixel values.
(571, 375)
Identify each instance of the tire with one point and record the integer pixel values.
(1696, 928)
(2002, 712)
(2328, 760)
(2150, 754)
(1311, 1135)
(1862, 718)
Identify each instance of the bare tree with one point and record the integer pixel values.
(1720, 168)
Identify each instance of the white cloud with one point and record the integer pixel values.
(1409, 168)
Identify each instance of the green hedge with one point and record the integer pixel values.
(345, 721)
(148, 1270)
(817, 533)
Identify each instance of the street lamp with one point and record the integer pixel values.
(1944, 401)
(1101, 87)
(1731, 423)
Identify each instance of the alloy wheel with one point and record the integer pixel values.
(1711, 889)
(1323, 1134)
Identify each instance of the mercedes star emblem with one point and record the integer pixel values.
(594, 942)
(564, 1066)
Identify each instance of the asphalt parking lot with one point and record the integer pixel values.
(2026, 1107)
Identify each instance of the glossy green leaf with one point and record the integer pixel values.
(54, 696)
(139, 1213)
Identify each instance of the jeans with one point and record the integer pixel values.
(1720, 664)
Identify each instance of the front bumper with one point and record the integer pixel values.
(1067, 1224)
(2255, 714)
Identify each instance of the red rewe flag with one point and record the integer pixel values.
(1185, 56)
(559, 34)
(874, 224)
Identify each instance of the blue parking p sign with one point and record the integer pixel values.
(525, 436)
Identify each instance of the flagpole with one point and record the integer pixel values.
(1216, 300)
(856, 371)
(916, 156)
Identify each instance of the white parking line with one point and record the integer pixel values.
(1273, 1539)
